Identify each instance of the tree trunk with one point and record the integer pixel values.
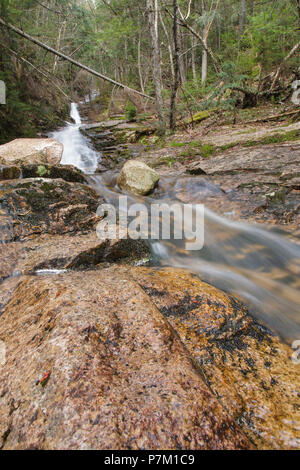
(176, 68)
(60, 31)
(204, 67)
(169, 45)
(243, 8)
(180, 58)
(139, 66)
(194, 70)
(152, 7)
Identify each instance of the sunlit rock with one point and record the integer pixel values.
(30, 151)
(138, 178)
(104, 370)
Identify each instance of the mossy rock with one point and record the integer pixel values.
(54, 206)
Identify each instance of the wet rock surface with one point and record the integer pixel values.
(246, 366)
(264, 180)
(51, 224)
(118, 141)
(256, 184)
(31, 151)
(68, 252)
(43, 205)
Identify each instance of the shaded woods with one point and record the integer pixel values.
(190, 55)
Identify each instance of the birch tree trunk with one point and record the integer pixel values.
(152, 7)
(181, 59)
(206, 32)
(204, 50)
(169, 45)
(140, 67)
(194, 70)
(204, 66)
(176, 67)
(60, 31)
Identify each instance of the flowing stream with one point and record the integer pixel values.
(260, 267)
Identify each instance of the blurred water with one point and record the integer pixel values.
(260, 267)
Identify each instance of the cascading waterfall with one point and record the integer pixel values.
(77, 149)
(251, 262)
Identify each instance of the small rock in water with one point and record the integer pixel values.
(138, 178)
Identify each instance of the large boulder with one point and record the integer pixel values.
(163, 360)
(137, 178)
(104, 370)
(31, 151)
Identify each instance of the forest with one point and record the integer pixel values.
(190, 55)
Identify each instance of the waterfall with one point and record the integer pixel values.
(77, 148)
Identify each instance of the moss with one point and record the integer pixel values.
(198, 117)
(228, 146)
(205, 150)
(175, 144)
(42, 171)
(197, 148)
(276, 138)
(272, 139)
(188, 153)
(195, 144)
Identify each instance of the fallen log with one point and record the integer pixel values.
(69, 59)
(196, 118)
(275, 117)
